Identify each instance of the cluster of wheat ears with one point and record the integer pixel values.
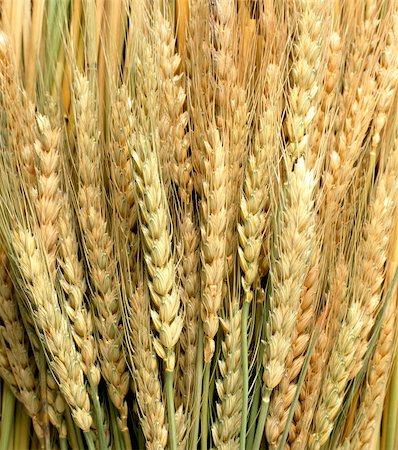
(198, 225)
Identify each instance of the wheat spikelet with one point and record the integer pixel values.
(294, 242)
(99, 250)
(212, 230)
(155, 229)
(64, 360)
(226, 428)
(305, 78)
(146, 372)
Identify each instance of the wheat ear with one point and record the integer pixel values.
(305, 78)
(372, 398)
(146, 372)
(372, 253)
(254, 210)
(379, 369)
(226, 428)
(231, 113)
(99, 249)
(294, 240)
(73, 283)
(282, 396)
(16, 349)
(212, 230)
(122, 185)
(53, 327)
(346, 358)
(156, 234)
(190, 282)
(299, 429)
(155, 229)
(387, 79)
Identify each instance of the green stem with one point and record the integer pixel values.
(198, 391)
(253, 414)
(245, 373)
(169, 376)
(115, 428)
(127, 440)
(70, 426)
(7, 417)
(98, 415)
(257, 383)
(42, 366)
(392, 413)
(22, 428)
(89, 440)
(262, 418)
(63, 443)
(205, 410)
(140, 438)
